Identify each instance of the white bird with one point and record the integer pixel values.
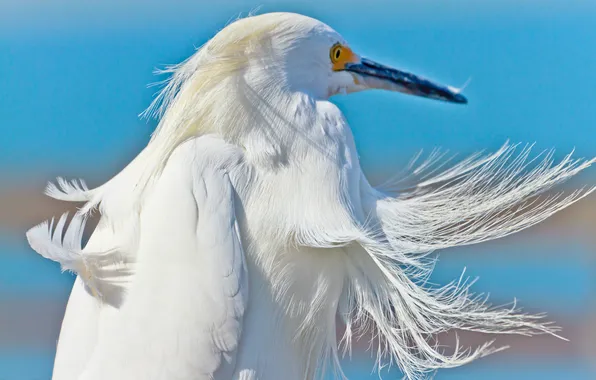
(230, 245)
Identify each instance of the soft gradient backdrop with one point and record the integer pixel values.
(73, 78)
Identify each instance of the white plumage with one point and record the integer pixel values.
(228, 248)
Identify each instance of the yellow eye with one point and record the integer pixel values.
(336, 52)
(340, 56)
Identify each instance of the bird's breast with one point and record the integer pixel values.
(312, 199)
(316, 192)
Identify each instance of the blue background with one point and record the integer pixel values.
(73, 78)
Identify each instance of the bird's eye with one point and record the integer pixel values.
(335, 53)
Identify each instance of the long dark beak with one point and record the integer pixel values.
(376, 75)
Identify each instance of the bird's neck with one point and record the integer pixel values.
(273, 128)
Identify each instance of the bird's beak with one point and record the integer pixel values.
(374, 75)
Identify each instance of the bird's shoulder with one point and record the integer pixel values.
(207, 152)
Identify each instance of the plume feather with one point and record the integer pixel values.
(72, 191)
(63, 245)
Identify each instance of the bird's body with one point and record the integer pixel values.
(228, 248)
(291, 288)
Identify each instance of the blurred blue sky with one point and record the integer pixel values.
(76, 72)
(73, 77)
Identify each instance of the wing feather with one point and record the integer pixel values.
(218, 234)
(182, 307)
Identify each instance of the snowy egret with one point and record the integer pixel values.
(230, 247)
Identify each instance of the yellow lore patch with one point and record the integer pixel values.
(340, 56)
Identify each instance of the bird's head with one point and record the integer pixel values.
(274, 53)
(257, 75)
(300, 53)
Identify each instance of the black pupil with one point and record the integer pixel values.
(337, 52)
